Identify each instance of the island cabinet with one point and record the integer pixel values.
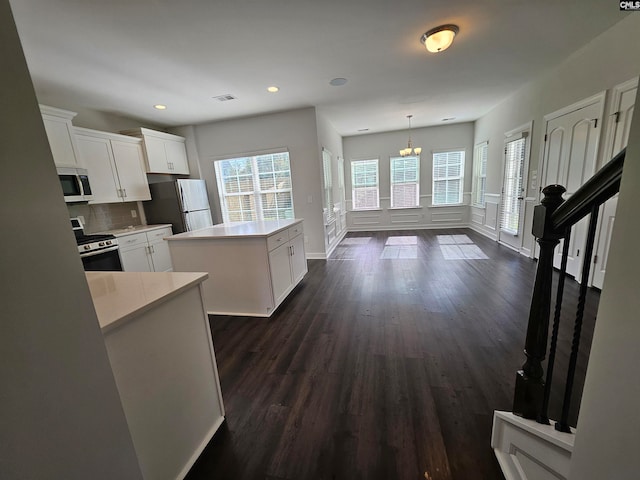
(159, 344)
(252, 266)
(164, 152)
(115, 164)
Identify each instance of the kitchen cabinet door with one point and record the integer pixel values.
(280, 268)
(177, 157)
(160, 255)
(136, 259)
(97, 156)
(298, 259)
(129, 162)
(57, 124)
(164, 152)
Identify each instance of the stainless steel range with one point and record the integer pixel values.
(98, 252)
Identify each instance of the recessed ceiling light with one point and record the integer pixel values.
(273, 89)
(337, 82)
(159, 106)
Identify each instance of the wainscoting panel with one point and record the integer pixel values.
(485, 220)
(528, 240)
(400, 217)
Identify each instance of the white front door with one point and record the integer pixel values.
(571, 147)
(617, 138)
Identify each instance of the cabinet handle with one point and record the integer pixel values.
(124, 192)
(119, 192)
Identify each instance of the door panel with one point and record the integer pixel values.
(570, 158)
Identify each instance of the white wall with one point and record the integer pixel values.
(294, 130)
(385, 145)
(608, 438)
(61, 415)
(606, 61)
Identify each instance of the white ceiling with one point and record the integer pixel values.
(124, 56)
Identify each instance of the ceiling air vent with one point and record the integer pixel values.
(225, 98)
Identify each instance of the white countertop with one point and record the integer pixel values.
(120, 296)
(262, 228)
(119, 232)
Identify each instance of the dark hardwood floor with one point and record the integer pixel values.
(380, 368)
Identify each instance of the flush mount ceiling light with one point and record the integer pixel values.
(410, 150)
(273, 89)
(159, 106)
(439, 38)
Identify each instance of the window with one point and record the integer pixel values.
(364, 185)
(328, 186)
(448, 177)
(514, 153)
(480, 173)
(405, 186)
(255, 188)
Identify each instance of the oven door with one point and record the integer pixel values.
(102, 260)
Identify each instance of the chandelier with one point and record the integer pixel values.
(410, 150)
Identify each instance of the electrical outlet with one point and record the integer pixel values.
(134, 213)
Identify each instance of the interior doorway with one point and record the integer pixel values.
(617, 136)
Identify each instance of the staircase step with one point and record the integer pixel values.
(527, 450)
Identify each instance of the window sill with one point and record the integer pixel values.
(448, 205)
(368, 210)
(418, 207)
(477, 205)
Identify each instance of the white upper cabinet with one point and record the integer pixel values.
(115, 164)
(164, 153)
(57, 124)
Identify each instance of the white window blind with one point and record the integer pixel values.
(328, 186)
(364, 185)
(512, 187)
(448, 177)
(405, 186)
(480, 156)
(255, 187)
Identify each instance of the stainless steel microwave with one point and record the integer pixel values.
(75, 184)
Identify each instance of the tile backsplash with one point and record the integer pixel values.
(106, 216)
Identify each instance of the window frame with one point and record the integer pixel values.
(256, 193)
(459, 178)
(355, 189)
(392, 160)
(480, 161)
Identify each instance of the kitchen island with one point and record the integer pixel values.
(252, 266)
(159, 344)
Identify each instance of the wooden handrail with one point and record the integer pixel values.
(595, 191)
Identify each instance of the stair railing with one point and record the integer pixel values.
(552, 222)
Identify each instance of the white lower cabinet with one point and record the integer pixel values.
(287, 262)
(115, 164)
(146, 251)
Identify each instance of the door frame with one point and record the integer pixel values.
(607, 154)
(525, 130)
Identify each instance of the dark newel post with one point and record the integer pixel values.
(529, 382)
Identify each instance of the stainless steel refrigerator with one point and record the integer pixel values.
(182, 203)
